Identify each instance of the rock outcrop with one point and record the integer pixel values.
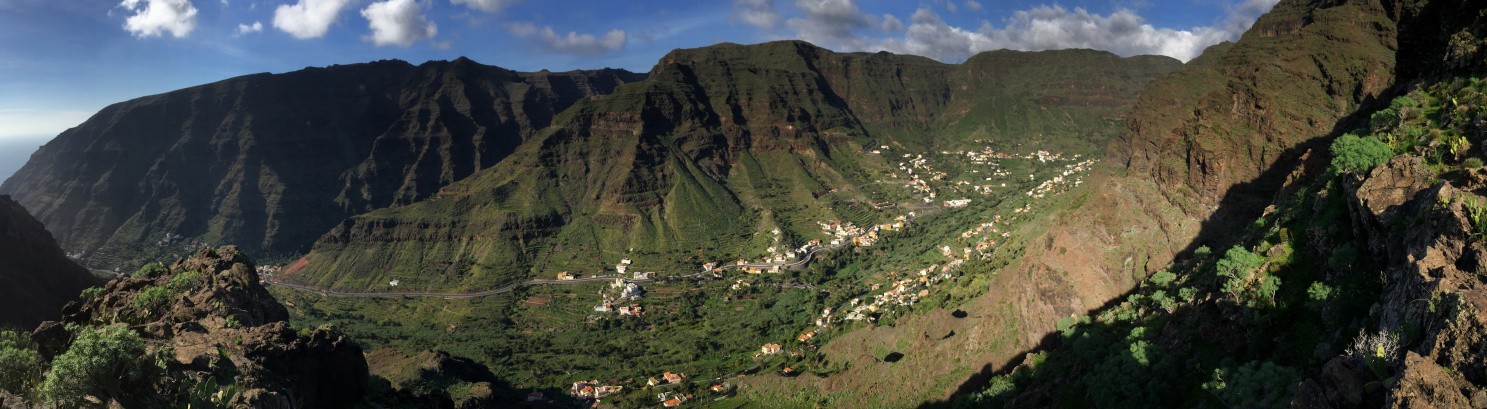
(215, 323)
(1433, 296)
(38, 278)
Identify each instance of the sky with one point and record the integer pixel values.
(63, 60)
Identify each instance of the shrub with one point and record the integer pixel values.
(1352, 154)
(1318, 292)
(151, 269)
(90, 293)
(1472, 162)
(1254, 385)
(1237, 266)
(153, 300)
(1379, 351)
(20, 365)
(1162, 278)
(105, 362)
(184, 280)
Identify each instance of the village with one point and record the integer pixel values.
(897, 290)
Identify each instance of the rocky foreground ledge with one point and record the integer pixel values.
(214, 334)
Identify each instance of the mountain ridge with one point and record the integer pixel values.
(39, 278)
(224, 162)
(711, 120)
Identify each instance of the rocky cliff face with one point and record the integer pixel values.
(273, 161)
(1207, 148)
(716, 143)
(1428, 239)
(1239, 112)
(38, 276)
(211, 323)
(1247, 171)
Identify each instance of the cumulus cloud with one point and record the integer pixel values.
(1053, 27)
(155, 17)
(490, 6)
(250, 28)
(891, 23)
(308, 18)
(573, 42)
(398, 22)
(757, 13)
(830, 23)
(841, 25)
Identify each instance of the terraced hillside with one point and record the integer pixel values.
(720, 145)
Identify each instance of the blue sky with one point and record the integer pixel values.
(62, 60)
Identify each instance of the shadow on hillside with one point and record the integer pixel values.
(1240, 206)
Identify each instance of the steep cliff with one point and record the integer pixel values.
(38, 276)
(271, 162)
(1337, 277)
(718, 144)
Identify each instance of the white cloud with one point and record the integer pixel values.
(250, 28)
(308, 18)
(490, 6)
(398, 22)
(156, 17)
(1052, 27)
(830, 23)
(891, 23)
(758, 13)
(573, 43)
(842, 25)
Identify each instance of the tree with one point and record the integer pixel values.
(1352, 154)
(104, 362)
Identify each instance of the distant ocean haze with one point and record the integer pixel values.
(15, 150)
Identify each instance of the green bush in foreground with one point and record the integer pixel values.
(103, 362)
(20, 365)
(1352, 154)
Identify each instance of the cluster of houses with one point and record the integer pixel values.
(620, 291)
(1068, 179)
(919, 173)
(840, 232)
(779, 253)
(983, 237)
(902, 292)
(592, 389)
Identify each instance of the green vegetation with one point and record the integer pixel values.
(152, 301)
(184, 281)
(20, 366)
(106, 362)
(1256, 384)
(1291, 276)
(1352, 154)
(90, 293)
(151, 269)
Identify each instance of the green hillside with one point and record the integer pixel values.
(719, 146)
